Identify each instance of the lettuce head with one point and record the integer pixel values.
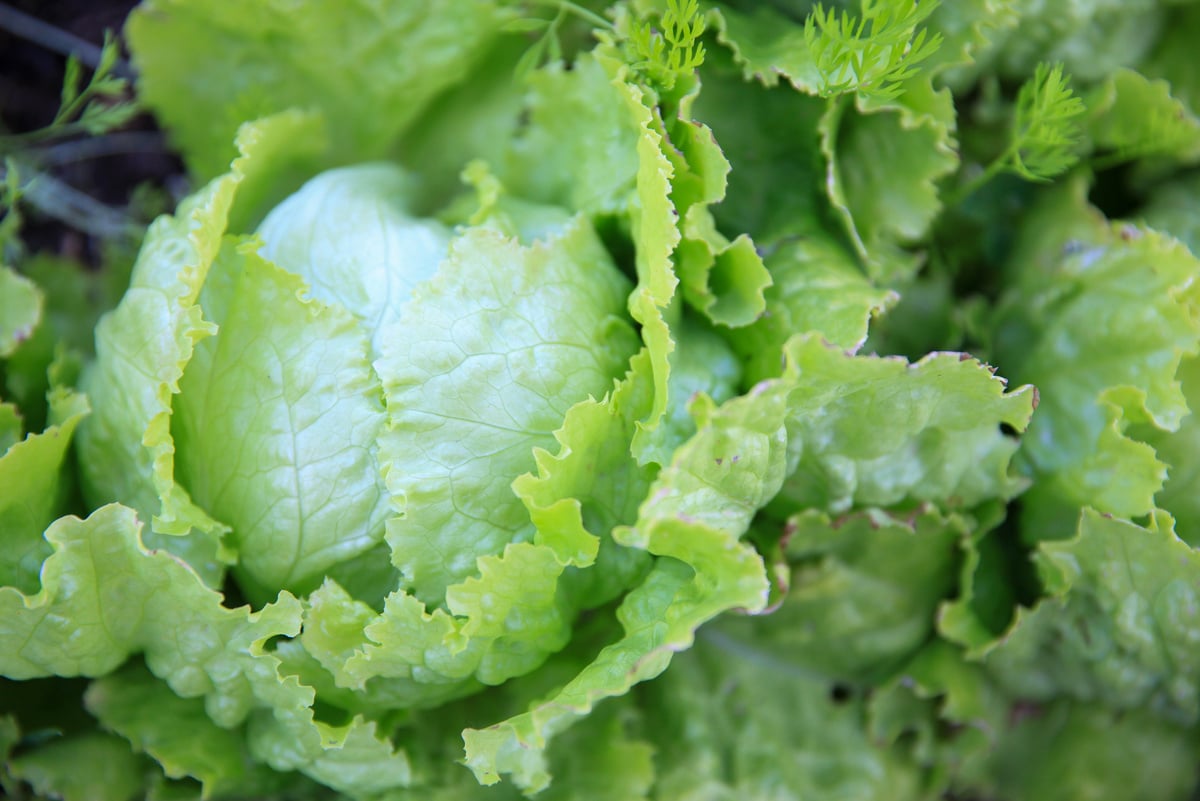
(613, 401)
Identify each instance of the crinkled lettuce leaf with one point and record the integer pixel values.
(20, 310)
(339, 59)
(1099, 316)
(973, 738)
(870, 431)
(864, 589)
(817, 286)
(732, 721)
(1132, 117)
(883, 161)
(1116, 625)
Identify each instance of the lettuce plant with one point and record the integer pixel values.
(536, 397)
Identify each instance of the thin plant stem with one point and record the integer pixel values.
(577, 10)
(57, 40)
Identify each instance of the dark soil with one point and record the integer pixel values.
(109, 169)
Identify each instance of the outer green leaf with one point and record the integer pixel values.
(602, 762)
(86, 767)
(946, 707)
(988, 745)
(353, 759)
(702, 364)
(864, 589)
(20, 310)
(1173, 210)
(730, 720)
(1119, 625)
(967, 27)
(927, 316)
(695, 513)
(592, 484)
(1132, 117)
(817, 286)
(12, 429)
(476, 119)
(274, 59)
(884, 158)
(723, 279)
(1087, 751)
(98, 573)
(1172, 57)
(770, 138)
(74, 300)
(10, 734)
(655, 235)
(178, 734)
(104, 596)
(142, 348)
(32, 475)
(872, 431)
(579, 148)
(993, 577)
(1093, 38)
(1099, 318)
(1178, 450)
(767, 45)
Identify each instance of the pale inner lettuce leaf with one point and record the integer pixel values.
(485, 362)
(350, 235)
(275, 426)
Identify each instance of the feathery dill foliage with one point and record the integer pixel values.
(672, 50)
(872, 53)
(1045, 130)
(661, 54)
(95, 108)
(1045, 137)
(103, 104)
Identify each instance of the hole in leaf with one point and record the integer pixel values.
(840, 693)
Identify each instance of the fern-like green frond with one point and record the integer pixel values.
(1046, 130)
(101, 105)
(672, 50)
(873, 53)
(1046, 134)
